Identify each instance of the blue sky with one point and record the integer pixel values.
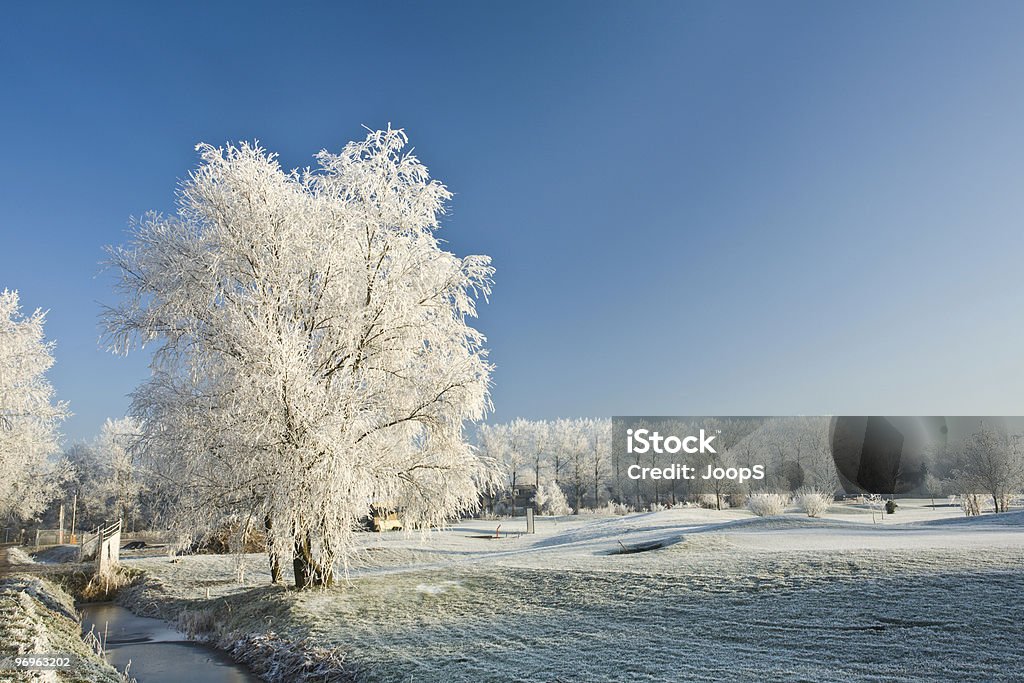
(694, 208)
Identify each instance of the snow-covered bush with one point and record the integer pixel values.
(813, 502)
(617, 509)
(767, 504)
(971, 504)
(551, 500)
(713, 501)
(705, 500)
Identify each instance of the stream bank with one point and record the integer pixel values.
(37, 617)
(252, 626)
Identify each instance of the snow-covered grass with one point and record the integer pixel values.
(16, 555)
(38, 618)
(729, 597)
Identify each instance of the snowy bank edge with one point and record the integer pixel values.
(219, 623)
(39, 617)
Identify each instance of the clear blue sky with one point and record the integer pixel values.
(694, 208)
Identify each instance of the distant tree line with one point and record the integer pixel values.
(579, 458)
(578, 455)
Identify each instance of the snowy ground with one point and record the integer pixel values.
(924, 595)
(37, 618)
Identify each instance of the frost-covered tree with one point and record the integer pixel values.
(119, 481)
(574, 443)
(551, 500)
(507, 444)
(932, 486)
(601, 458)
(29, 415)
(314, 355)
(537, 438)
(86, 487)
(991, 463)
(107, 482)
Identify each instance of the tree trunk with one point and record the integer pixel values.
(309, 573)
(619, 495)
(636, 503)
(275, 561)
(513, 493)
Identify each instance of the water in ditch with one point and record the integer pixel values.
(155, 652)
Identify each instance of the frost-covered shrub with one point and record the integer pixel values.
(617, 509)
(813, 502)
(705, 500)
(767, 504)
(657, 507)
(713, 501)
(971, 504)
(551, 501)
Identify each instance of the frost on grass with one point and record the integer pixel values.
(16, 555)
(253, 625)
(742, 599)
(711, 618)
(37, 617)
(58, 554)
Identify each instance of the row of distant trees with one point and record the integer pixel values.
(578, 456)
(106, 483)
(574, 454)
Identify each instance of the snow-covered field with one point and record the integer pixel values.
(924, 595)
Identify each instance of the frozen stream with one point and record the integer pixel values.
(157, 652)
